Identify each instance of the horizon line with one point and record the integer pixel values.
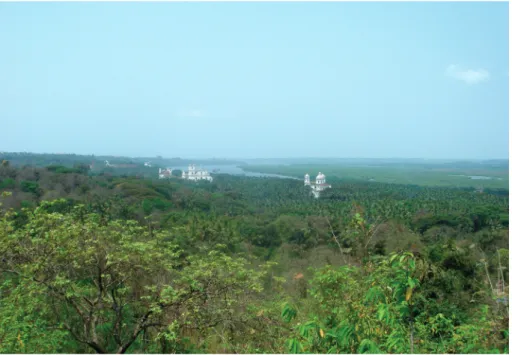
(254, 158)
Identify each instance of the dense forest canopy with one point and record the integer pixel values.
(117, 261)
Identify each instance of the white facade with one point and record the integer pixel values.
(193, 174)
(196, 174)
(318, 186)
(164, 173)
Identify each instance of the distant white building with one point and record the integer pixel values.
(318, 186)
(196, 174)
(164, 173)
(193, 173)
(148, 164)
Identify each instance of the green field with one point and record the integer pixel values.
(424, 175)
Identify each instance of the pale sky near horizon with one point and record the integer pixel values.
(256, 80)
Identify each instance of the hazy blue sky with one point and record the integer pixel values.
(427, 80)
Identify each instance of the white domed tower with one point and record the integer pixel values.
(320, 179)
(318, 185)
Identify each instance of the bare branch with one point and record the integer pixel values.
(336, 239)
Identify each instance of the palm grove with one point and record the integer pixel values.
(108, 263)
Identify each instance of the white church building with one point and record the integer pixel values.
(193, 173)
(196, 174)
(318, 185)
(164, 173)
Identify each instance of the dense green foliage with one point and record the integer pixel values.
(123, 264)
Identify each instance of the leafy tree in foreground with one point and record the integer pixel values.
(107, 285)
(384, 310)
